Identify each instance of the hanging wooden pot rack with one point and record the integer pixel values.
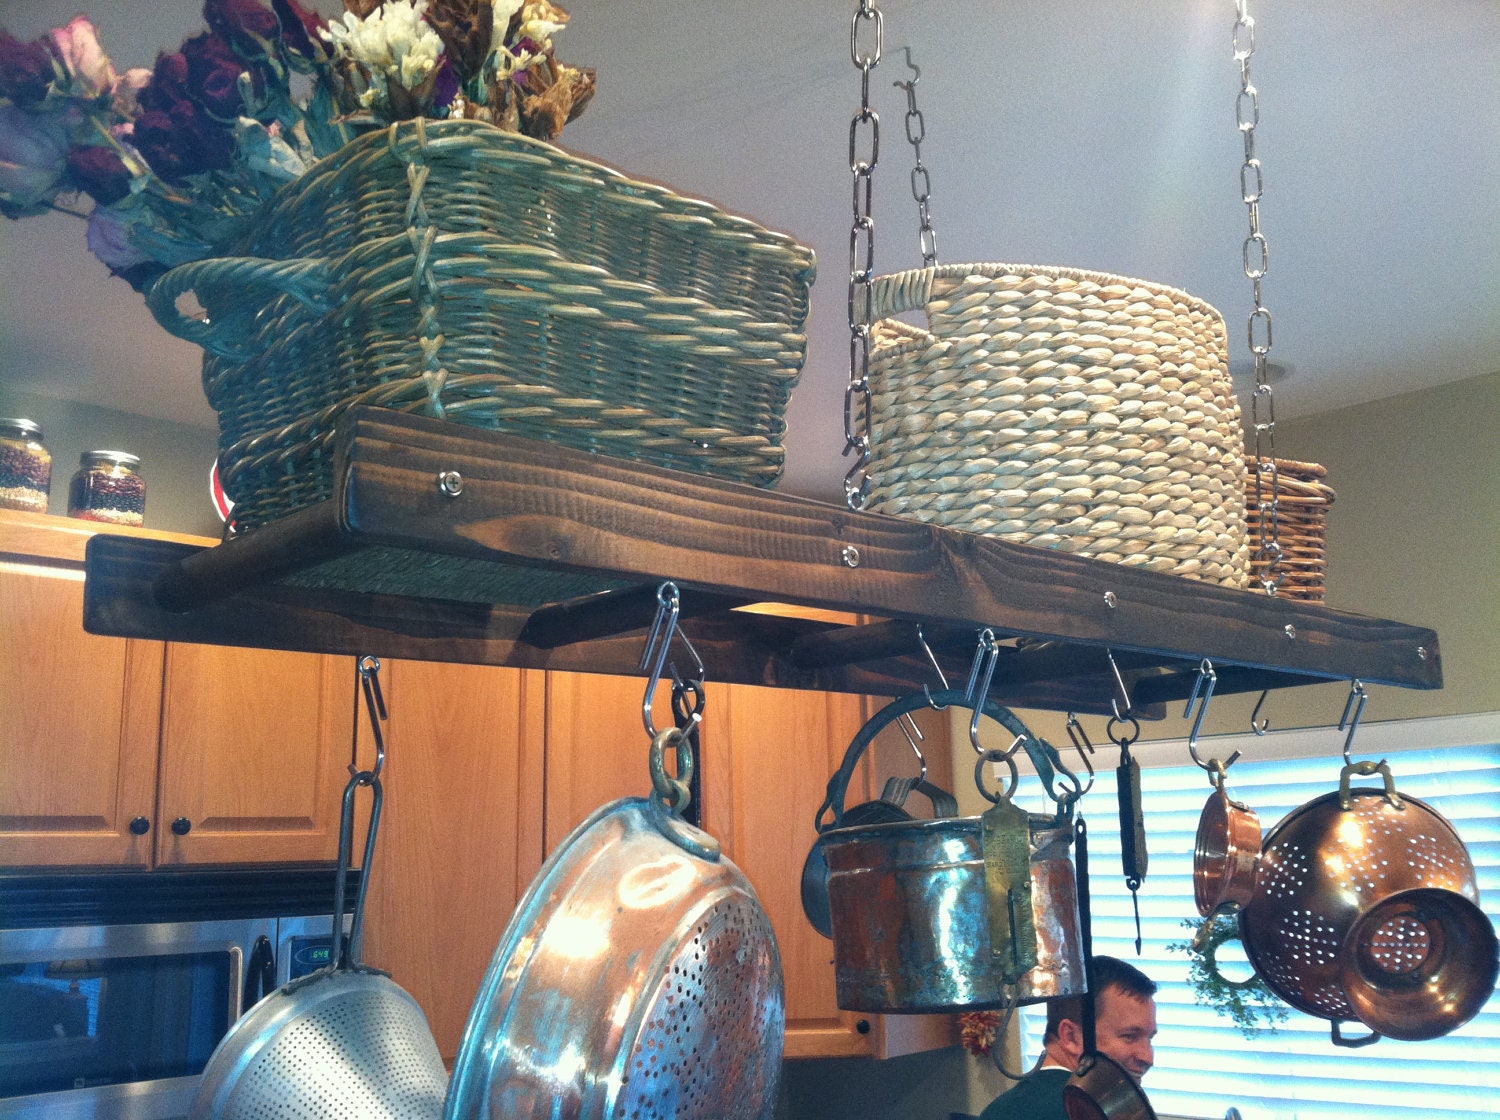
(448, 543)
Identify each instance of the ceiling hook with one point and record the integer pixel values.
(1084, 748)
(916, 73)
(658, 645)
(1121, 692)
(1355, 704)
(936, 668)
(1260, 726)
(986, 654)
(909, 728)
(1203, 692)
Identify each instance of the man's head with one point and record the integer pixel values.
(1124, 1018)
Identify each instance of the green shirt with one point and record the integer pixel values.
(1037, 1096)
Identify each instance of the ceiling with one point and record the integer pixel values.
(1095, 135)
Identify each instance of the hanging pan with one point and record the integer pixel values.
(639, 977)
(1226, 850)
(345, 1040)
(953, 912)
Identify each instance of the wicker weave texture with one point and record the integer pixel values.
(455, 270)
(1302, 506)
(1056, 407)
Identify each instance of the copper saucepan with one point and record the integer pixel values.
(1225, 853)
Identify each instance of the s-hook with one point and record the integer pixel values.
(673, 792)
(1354, 705)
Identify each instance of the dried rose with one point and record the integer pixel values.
(243, 24)
(109, 239)
(26, 71)
(33, 159)
(168, 85)
(126, 96)
(89, 70)
(213, 76)
(299, 29)
(100, 172)
(182, 141)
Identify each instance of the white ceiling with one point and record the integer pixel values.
(1090, 134)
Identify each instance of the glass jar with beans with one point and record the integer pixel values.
(25, 466)
(107, 488)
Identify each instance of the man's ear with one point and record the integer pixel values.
(1070, 1035)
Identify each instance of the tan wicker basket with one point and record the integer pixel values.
(456, 270)
(1074, 410)
(1302, 528)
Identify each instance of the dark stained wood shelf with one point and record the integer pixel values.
(550, 558)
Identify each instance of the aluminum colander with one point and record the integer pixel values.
(639, 979)
(342, 1042)
(1366, 909)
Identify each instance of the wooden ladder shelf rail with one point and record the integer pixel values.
(549, 557)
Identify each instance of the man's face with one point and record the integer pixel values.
(1125, 1025)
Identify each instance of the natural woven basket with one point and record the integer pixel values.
(1302, 528)
(453, 269)
(1074, 410)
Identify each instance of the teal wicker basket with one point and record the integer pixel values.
(455, 270)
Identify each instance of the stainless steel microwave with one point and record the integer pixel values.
(118, 1018)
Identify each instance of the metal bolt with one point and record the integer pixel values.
(850, 555)
(1422, 653)
(1110, 601)
(450, 483)
(1291, 631)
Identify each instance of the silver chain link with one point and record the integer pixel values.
(921, 182)
(867, 21)
(1256, 255)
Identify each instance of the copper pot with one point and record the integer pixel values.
(1102, 1090)
(1225, 853)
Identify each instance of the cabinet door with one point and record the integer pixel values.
(78, 717)
(460, 834)
(255, 746)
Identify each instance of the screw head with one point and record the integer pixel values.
(1110, 600)
(450, 483)
(850, 556)
(1291, 632)
(1422, 653)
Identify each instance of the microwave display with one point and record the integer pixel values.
(83, 1023)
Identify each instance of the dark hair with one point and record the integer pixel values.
(1108, 972)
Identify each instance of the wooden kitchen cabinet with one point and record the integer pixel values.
(461, 832)
(102, 737)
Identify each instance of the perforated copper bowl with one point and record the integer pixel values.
(1325, 867)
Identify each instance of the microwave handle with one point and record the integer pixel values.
(260, 973)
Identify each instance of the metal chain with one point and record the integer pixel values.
(867, 21)
(1257, 260)
(921, 182)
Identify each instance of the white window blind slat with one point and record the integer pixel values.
(1203, 1063)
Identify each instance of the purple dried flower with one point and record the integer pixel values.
(445, 88)
(299, 29)
(33, 159)
(26, 70)
(109, 239)
(100, 172)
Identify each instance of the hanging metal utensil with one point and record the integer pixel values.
(639, 976)
(1123, 730)
(342, 1041)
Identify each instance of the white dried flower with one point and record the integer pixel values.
(393, 43)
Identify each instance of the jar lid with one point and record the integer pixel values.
(27, 429)
(109, 459)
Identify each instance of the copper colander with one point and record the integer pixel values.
(1335, 866)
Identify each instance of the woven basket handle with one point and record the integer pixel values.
(306, 279)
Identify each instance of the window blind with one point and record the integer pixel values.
(1204, 1064)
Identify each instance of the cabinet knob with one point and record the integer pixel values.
(182, 826)
(140, 825)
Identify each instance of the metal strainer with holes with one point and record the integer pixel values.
(342, 1042)
(639, 979)
(1365, 909)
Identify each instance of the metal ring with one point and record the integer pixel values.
(996, 756)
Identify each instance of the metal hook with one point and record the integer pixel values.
(986, 654)
(369, 679)
(1261, 726)
(1356, 704)
(1084, 748)
(936, 668)
(916, 73)
(658, 644)
(1122, 692)
(1203, 692)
